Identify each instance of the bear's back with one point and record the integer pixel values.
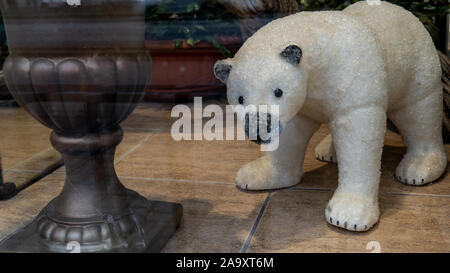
(406, 46)
(320, 34)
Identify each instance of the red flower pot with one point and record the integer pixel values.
(181, 73)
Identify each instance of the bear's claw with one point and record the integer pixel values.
(420, 169)
(352, 212)
(414, 182)
(325, 150)
(326, 159)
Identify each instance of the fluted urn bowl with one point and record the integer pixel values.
(76, 96)
(80, 70)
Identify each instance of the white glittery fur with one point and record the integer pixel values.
(359, 66)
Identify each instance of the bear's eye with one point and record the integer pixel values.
(278, 93)
(241, 100)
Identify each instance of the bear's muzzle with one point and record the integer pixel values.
(258, 127)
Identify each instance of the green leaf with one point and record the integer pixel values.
(192, 7)
(200, 27)
(192, 42)
(178, 43)
(221, 48)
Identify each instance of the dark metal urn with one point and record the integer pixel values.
(80, 67)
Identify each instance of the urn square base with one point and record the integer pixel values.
(162, 223)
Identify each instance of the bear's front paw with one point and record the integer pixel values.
(421, 168)
(263, 174)
(352, 211)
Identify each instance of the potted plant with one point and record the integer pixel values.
(186, 38)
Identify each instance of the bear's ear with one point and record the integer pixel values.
(222, 69)
(292, 54)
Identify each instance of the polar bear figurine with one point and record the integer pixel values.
(351, 69)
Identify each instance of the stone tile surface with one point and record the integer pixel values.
(217, 216)
(294, 222)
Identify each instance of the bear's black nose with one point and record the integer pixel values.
(264, 119)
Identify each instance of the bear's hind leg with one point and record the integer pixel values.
(420, 125)
(281, 168)
(325, 150)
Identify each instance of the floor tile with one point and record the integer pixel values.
(163, 157)
(38, 162)
(294, 222)
(25, 148)
(216, 217)
(19, 143)
(12, 117)
(150, 117)
(27, 204)
(25, 178)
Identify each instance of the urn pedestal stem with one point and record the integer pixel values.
(92, 187)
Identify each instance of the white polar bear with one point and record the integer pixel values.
(351, 69)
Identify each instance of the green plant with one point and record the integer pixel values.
(192, 21)
(431, 12)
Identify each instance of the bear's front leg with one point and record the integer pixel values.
(358, 136)
(281, 168)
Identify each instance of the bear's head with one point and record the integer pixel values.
(263, 78)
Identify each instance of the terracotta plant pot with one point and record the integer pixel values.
(182, 73)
